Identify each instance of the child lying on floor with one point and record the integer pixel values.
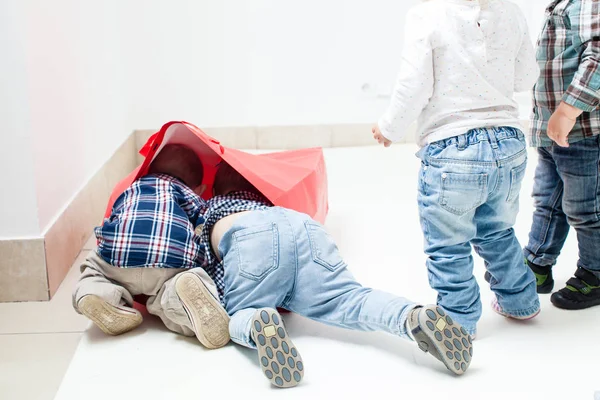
(148, 247)
(266, 257)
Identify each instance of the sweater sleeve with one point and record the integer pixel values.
(527, 70)
(584, 90)
(414, 85)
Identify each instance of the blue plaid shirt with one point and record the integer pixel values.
(220, 207)
(152, 225)
(569, 59)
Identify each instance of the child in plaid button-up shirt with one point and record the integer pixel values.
(565, 129)
(148, 246)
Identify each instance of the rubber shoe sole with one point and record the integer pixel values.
(437, 334)
(209, 320)
(279, 359)
(110, 319)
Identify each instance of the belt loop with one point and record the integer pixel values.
(491, 133)
(462, 142)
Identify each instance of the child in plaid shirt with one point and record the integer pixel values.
(148, 246)
(565, 130)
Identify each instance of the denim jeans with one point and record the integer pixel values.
(281, 258)
(567, 193)
(469, 196)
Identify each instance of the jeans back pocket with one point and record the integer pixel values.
(462, 193)
(323, 248)
(516, 178)
(257, 251)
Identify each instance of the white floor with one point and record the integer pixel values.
(374, 219)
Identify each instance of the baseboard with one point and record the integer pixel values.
(288, 137)
(23, 270)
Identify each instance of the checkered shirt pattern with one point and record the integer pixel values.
(569, 58)
(220, 207)
(152, 225)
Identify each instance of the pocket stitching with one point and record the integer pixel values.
(314, 249)
(512, 196)
(480, 179)
(275, 255)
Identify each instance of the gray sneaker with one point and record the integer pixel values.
(278, 357)
(437, 334)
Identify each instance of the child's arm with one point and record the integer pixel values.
(583, 94)
(414, 86)
(527, 70)
(584, 91)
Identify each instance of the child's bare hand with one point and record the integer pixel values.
(377, 135)
(561, 124)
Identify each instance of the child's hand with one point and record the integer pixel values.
(377, 135)
(561, 123)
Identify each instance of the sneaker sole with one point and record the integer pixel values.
(209, 319)
(278, 357)
(110, 319)
(445, 339)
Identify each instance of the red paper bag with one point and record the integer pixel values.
(294, 179)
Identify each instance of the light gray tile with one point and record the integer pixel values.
(237, 138)
(33, 366)
(23, 270)
(54, 316)
(294, 137)
(351, 135)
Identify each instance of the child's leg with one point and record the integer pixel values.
(550, 227)
(187, 303)
(102, 300)
(577, 166)
(259, 253)
(327, 292)
(511, 280)
(447, 206)
(263, 329)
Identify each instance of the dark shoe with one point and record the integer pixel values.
(582, 291)
(279, 359)
(543, 278)
(437, 334)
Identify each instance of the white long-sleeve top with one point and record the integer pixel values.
(461, 64)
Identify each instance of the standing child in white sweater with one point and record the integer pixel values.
(462, 62)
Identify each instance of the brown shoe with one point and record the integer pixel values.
(209, 320)
(112, 320)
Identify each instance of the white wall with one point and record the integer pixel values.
(264, 61)
(78, 94)
(88, 73)
(18, 205)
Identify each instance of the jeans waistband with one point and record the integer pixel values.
(474, 136)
